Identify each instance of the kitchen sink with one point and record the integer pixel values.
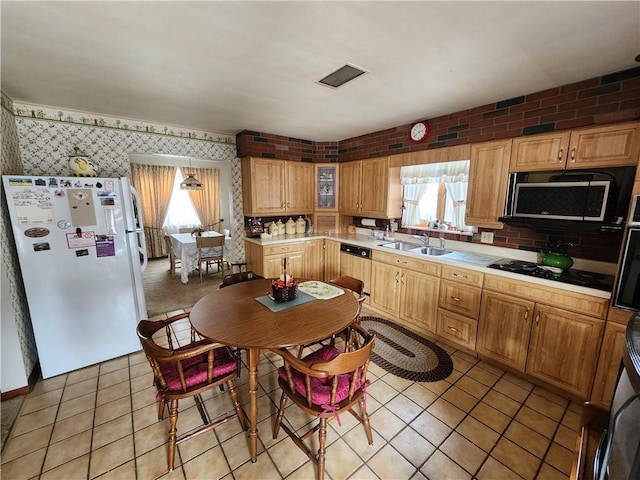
(405, 247)
(433, 251)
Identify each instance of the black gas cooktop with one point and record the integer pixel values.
(599, 281)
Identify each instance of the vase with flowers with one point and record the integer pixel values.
(285, 288)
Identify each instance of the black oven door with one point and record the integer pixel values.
(628, 288)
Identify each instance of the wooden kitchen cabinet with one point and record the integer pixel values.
(369, 188)
(504, 327)
(325, 216)
(559, 346)
(268, 260)
(608, 365)
(488, 176)
(314, 257)
(331, 259)
(275, 187)
(458, 305)
(406, 289)
(593, 147)
(564, 348)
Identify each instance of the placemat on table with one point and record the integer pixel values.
(321, 290)
(278, 306)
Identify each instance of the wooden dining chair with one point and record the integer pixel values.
(326, 384)
(174, 261)
(356, 287)
(187, 367)
(210, 250)
(232, 279)
(185, 229)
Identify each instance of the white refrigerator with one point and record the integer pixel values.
(81, 248)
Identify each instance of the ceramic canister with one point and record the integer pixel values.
(290, 227)
(301, 225)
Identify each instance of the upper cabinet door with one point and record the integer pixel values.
(598, 147)
(263, 186)
(326, 187)
(349, 197)
(374, 187)
(539, 152)
(299, 187)
(488, 175)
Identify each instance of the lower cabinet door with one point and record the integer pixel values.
(503, 329)
(564, 349)
(419, 300)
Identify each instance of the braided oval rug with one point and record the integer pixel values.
(406, 354)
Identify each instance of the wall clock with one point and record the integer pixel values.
(419, 132)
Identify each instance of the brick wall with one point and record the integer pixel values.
(608, 99)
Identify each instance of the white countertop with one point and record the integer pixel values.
(468, 255)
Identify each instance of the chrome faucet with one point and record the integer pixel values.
(424, 238)
(442, 243)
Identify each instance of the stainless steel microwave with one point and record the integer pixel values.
(582, 200)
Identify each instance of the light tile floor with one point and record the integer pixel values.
(481, 423)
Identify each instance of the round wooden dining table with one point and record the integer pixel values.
(232, 316)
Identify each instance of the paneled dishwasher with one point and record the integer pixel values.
(356, 262)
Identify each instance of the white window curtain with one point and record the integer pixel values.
(457, 191)
(416, 178)
(412, 195)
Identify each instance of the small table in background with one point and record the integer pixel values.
(184, 246)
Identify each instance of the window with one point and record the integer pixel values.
(181, 212)
(436, 191)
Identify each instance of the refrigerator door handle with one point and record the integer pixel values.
(142, 243)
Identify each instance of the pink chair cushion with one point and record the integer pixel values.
(196, 373)
(321, 387)
(187, 363)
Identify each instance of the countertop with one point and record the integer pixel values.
(468, 255)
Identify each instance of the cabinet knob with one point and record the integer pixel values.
(526, 314)
(453, 329)
(455, 299)
(573, 154)
(538, 318)
(460, 276)
(560, 154)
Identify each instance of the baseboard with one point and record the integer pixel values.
(33, 378)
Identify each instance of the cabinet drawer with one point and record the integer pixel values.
(409, 263)
(462, 275)
(456, 328)
(282, 248)
(575, 302)
(459, 298)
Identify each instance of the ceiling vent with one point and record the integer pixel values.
(341, 76)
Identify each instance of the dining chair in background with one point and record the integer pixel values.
(352, 284)
(183, 367)
(326, 384)
(210, 250)
(185, 229)
(174, 261)
(232, 279)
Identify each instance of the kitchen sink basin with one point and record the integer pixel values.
(405, 247)
(433, 251)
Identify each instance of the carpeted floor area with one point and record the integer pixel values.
(165, 292)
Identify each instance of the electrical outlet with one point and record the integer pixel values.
(486, 237)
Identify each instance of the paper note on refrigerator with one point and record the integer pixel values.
(33, 205)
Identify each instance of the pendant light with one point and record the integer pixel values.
(191, 182)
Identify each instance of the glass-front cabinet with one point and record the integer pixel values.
(326, 187)
(326, 198)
